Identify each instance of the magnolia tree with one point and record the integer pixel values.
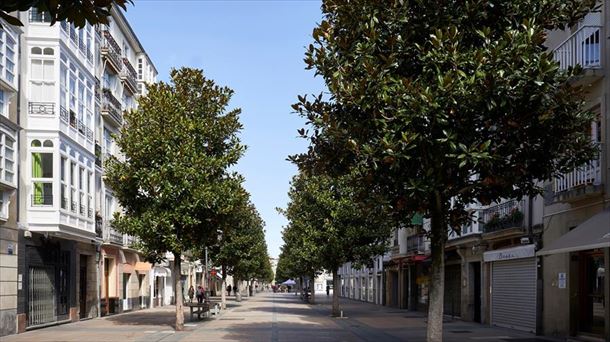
(174, 184)
(330, 225)
(442, 104)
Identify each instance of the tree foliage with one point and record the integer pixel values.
(442, 104)
(330, 225)
(78, 12)
(173, 182)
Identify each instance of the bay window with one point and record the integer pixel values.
(42, 174)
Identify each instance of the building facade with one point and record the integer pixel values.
(576, 243)
(65, 263)
(9, 180)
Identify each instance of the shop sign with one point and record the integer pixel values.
(526, 251)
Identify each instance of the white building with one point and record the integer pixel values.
(74, 86)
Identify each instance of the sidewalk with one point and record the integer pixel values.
(272, 317)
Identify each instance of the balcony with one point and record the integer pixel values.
(129, 77)
(70, 118)
(113, 236)
(579, 179)
(416, 244)
(41, 108)
(111, 108)
(39, 17)
(128, 240)
(502, 216)
(111, 51)
(582, 48)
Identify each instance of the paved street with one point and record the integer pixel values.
(270, 317)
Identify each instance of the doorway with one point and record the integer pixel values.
(475, 267)
(591, 294)
(83, 287)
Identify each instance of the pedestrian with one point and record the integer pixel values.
(229, 290)
(327, 290)
(191, 293)
(199, 294)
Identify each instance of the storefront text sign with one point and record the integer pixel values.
(526, 251)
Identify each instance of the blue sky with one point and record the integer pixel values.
(257, 49)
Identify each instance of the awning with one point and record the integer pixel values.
(591, 234)
(142, 266)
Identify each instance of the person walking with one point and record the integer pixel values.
(199, 294)
(191, 293)
(327, 290)
(229, 290)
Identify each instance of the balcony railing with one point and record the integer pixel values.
(114, 236)
(505, 215)
(582, 48)
(416, 244)
(42, 200)
(70, 118)
(129, 75)
(112, 50)
(39, 17)
(112, 106)
(128, 240)
(42, 108)
(588, 174)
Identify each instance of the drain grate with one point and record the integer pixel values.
(460, 331)
(232, 319)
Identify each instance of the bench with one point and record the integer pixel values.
(201, 308)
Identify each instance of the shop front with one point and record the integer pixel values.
(513, 277)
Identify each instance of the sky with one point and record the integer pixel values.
(257, 49)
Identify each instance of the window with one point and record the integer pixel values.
(64, 182)
(42, 178)
(37, 16)
(7, 158)
(42, 76)
(3, 110)
(8, 46)
(109, 208)
(73, 192)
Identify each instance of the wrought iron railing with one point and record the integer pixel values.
(508, 214)
(112, 106)
(42, 108)
(42, 199)
(582, 48)
(129, 74)
(112, 49)
(70, 118)
(73, 207)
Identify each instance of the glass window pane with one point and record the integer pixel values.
(42, 165)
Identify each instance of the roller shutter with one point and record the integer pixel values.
(513, 294)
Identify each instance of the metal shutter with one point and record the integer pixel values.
(513, 294)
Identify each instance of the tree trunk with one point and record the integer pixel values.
(335, 311)
(437, 275)
(223, 296)
(250, 287)
(313, 289)
(178, 293)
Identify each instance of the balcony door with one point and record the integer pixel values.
(591, 294)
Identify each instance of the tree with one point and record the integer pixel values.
(174, 184)
(78, 12)
(252, 253)
(442, 104)
(334, 225)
